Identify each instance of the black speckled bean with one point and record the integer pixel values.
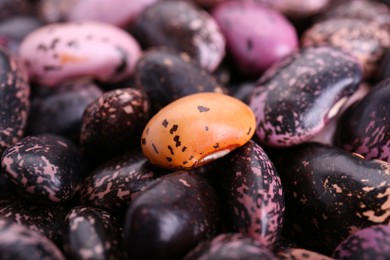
(43, 168)
(92, 233)
(296, 98)
(19, 242)
(368, 243)
(14, 99)
(230, 246)
(184, 27)
(167, 75)
(330, 194)
(365, 127)
(253, 194)
(60, 110)
(170, 217)
(114, 122)
(113, 185)
(47, 221)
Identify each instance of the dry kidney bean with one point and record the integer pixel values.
(331, 193)
(170, 217)
(365, 127)
(43, 168)
(166, 75)
(315, 87)
(14, 98)
(182, 26)
(255, 48)
(296, 97)
(20, 242)
(60, 110)
(92, 233)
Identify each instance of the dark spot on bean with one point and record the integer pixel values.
(147, 131)
(171, 150)
(154, 148)
(203, 109)
(185, 162)
(216, 146)
(249, 131)
(206, 128)
(72, 43)
(164, 123)
(54, 43)
(42, 47)
(184, 148)
(177, 140)
(51, 67)
(143, 141)
(169, 159)
(249, 44)
(191, 157)
(173, 129)
(123, 64)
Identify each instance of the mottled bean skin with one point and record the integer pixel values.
(60, 110)
(253, 194)
(113, 185)
(19, 242)
(331, 193)
(114, 122)
(230, 246)
(171, 217)
(92, 233)
(365, 127)
(368, 243)
(182, 26)
(166, 75)
(67, 51)
(45, 220)
(43, 168)
(14, 99)
(366, 40)
(300, 254)
(296, 97)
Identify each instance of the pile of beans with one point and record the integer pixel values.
(198, 129)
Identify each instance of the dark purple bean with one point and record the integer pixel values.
(230, 247)
(45, 220)
(113, 185)
(368, 243)
(11, 8)
(92, 233)
(331, 193)
(184, 27)
(19, 242)
(14, 99)
(167, 75)
(114, 122)
(295, 98)
(170, 217)
(43, 168)
(60, 110)
(365, 127)
(253, 194)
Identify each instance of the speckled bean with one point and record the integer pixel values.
(184, 27)
(330, 194)
(296, 97)
(43, 168)
(365, 127)
(14, 99)
(67, 51)
(253, 195)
